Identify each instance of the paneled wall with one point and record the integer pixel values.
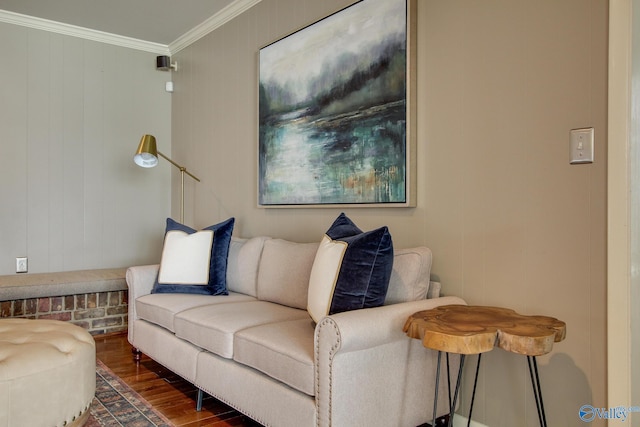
(500, 85)
(71, 115)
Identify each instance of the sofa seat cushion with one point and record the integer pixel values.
(282, 350)
(162, 308)
(213, 327)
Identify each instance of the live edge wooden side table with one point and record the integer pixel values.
(468, 329)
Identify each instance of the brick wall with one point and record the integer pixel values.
(98, 312)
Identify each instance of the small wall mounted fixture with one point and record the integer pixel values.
(147, 157)
(163, 63)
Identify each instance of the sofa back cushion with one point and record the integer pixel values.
(410, 275)
(283, 276)
(278, 271)
(242, 265)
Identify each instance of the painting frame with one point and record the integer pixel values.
(372, 183)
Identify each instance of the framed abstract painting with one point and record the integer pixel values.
(336, 111)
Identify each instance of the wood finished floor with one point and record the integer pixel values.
(169, 394)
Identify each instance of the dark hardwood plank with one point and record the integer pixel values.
(169, 394)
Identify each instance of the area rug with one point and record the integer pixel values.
(117, 405)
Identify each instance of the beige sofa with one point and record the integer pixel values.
(258, 350)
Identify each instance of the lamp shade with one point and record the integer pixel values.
(147, 153)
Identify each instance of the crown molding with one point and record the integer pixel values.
(81, 32)
(234, 9)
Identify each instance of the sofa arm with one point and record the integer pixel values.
(140, 280)
(364, 354)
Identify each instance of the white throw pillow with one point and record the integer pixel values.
(324, 276)
(186, 258)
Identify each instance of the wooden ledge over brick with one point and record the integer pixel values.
(23, 286)
(96, 300)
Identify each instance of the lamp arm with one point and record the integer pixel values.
(182, 168)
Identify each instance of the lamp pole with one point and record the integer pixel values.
(183, 170)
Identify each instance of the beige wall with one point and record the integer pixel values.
(71, 115)
(510, 222)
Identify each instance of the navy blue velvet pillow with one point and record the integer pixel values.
(351, 269)
(207, 248)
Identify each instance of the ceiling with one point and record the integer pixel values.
(156, 21)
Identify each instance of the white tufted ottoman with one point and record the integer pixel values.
(47, 373)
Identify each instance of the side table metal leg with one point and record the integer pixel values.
(449, 380)
(473, 394)
(537, 390)
(452, 403)
(455, 394)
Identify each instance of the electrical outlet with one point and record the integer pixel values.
(21, 265)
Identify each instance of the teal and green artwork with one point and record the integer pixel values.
(333, 110)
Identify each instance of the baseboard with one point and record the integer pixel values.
(461, 421)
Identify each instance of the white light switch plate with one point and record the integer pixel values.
(581, 146)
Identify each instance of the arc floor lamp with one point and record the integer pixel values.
(147, 157)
